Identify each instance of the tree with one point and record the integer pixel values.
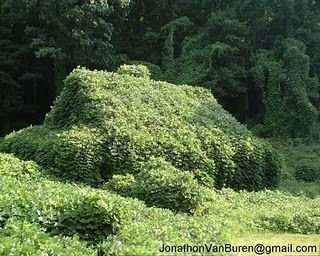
(73, 33)
(20, 72)
(301, 114)
(41, 42)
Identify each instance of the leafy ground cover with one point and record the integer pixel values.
(40, 215)
(107, 123)
(116, 171)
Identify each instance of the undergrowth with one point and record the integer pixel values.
(39, 215)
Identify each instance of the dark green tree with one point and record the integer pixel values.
(301, 114)
(41, 42)
(73, 33)
(22, 75)
(269, 77)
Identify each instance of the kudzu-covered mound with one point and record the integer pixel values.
(39, 216)
(107, 123)
(161, 185)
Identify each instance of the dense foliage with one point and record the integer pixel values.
(106, 123)
(132, 158)
(259, 59)
(41, 216)
(307, 170)
(160, 184)
(41, 42)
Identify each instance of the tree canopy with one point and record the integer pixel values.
(260, 59)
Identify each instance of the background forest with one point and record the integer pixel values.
(124, 125)
(260, 59)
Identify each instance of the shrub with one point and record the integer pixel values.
(296, 223)
(12, 166)
(74, 154)
(126, 225)
(20, 237)
(84, 220)
(134, 70)
(40, 216)
(32, 143)
(107, 123)
(142, 230)
(162, 185)
(260, 130)
(307, 170)
(27, 202)
(79, 155)
(155, 71)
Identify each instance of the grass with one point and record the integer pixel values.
(291, 152)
